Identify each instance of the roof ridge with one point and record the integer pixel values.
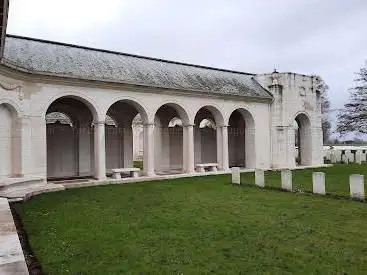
(127, 54)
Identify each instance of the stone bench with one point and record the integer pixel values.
(211, 166)
(116, 173)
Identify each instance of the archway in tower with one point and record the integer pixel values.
(303, 140)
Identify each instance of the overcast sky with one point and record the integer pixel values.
(325, 37)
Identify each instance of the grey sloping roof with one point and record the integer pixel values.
(52, 58)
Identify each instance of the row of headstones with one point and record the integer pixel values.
(336, 155)
(356, 182)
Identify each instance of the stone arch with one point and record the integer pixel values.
(134, 103)
(119, 138)
(180, 111)
(241, 139)
(70, 148)
(93, 107)
(303, 139)
(169, 141)
(207, 139)
(216, 113)
(10, 140)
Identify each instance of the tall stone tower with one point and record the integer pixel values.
(296, 107)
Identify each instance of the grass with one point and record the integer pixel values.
(199, 226)
(138, 164)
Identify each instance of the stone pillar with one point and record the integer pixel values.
(99, 150)
(286, 177)
(356, 183)
(236, 176)
(127, 139)
(149, 149)
(225, 162)
(188, 148)
(259, 178)
(318, 182)
(38, 165)
(219, 148)
(25, 146)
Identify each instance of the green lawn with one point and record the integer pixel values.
(200, 226)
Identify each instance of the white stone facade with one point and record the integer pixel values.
(244, 131)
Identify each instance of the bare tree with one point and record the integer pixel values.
(353, 117)
(325, 107)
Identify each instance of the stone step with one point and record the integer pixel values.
(20, 182)
(27, 193)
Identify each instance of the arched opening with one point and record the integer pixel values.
(205, 137)
(241, 139)
(69, 138)
(303, 139)
(10, 142)
(168, 139)
(123, 119)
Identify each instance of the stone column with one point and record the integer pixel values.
(149, 149)
(25, 146)
(188, 149)
(219, 148)
(225, 162)
(38, 135)
(99, 150)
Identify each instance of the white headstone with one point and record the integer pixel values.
(363, 157)
(286, 177)
(236, 177)
(338, 154)
(259, 178)
(350, 156)
(334, 157)
(356, 183)
(359, 157)
(318, 182)
(345, 159)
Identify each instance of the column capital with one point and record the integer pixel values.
(188, 125)
(98, 123)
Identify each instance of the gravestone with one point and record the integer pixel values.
(358, 157)
(356, 183)
(259, 178)
(236, 177)
(286, 177)
(318, 183)
(345, 159)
